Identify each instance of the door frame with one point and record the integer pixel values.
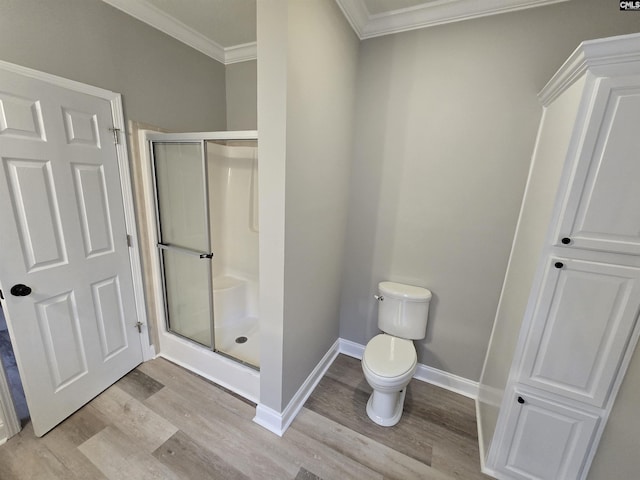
(115, 99)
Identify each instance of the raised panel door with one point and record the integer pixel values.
(545, 440)
(584, 317)
(601, 209)
(63, 234)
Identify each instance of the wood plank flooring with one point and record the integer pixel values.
(163, 422)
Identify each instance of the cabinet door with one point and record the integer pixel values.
(601, 209)
(545, 440)
(583, 320)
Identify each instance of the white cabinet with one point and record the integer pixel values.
(580, 324)
(584, 317)
(543, 429)
(602, 209)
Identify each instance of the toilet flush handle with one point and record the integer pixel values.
(380, 298)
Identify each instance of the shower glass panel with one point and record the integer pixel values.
(184, 238)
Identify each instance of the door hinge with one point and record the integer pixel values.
(129, 241)
(139, 325)
(116, 135)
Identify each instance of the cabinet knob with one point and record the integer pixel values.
(520, 400)
(558, 264)
(566, 241)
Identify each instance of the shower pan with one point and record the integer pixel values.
(206, 196)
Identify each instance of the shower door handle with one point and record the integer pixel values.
(186, 251)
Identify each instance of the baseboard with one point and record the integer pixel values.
(481, 446)
(352, 349)
(277, 422)
(149, 353)
(480, 436)
(424, 373)
(447, 380)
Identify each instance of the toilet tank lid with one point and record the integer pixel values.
(408, 292)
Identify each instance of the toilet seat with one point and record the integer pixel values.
(389, 357)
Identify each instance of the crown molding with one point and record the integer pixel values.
(621, 52)
(153, 16)
(240, 53)
(356, 14)
(429, 14)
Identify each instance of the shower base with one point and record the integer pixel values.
(247, 351)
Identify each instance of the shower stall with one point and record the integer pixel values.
(206, 199)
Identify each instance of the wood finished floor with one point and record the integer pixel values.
(163, 422)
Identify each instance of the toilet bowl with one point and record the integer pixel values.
(388, 364)
(390, 360)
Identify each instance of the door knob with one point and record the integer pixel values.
(20, 290)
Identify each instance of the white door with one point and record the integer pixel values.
(601, 211)
(546, 440)
(584, 318)
(64, 262)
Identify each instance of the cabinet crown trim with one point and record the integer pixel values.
(591, 54)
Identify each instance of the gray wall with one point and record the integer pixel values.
(446, 119)
(241, 86)
(163, 82)
(320, 103)
(307, 58)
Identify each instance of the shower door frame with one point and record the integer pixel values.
(203, 255)
(214, 365)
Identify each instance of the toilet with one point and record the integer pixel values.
(390, 360)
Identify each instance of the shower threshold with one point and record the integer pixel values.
(246, 352)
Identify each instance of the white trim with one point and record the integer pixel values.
(240, 53)
(446, 380)
(351, 349)
(239, 378)
(612, 51)
(161, 20)
(148, 351)
(428, 14)
(481, 445)
(356, 13)
(153, 16)
(11, 424)
(59, 81)
(279, 422)
(424, 373)
(197, 136)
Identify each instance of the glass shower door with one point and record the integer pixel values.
(184, 242)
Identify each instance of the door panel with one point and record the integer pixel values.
(602, 211)
(107, 301)
(21, 117)
(93, 205)
(181, 195)
(546, 440)
(185, 243)
(63, 234)
(61, 338)
(36, 214)
(187, 289)
(584, 318)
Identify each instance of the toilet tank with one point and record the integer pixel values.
(403, 310)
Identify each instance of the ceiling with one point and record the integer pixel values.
(226, 29)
